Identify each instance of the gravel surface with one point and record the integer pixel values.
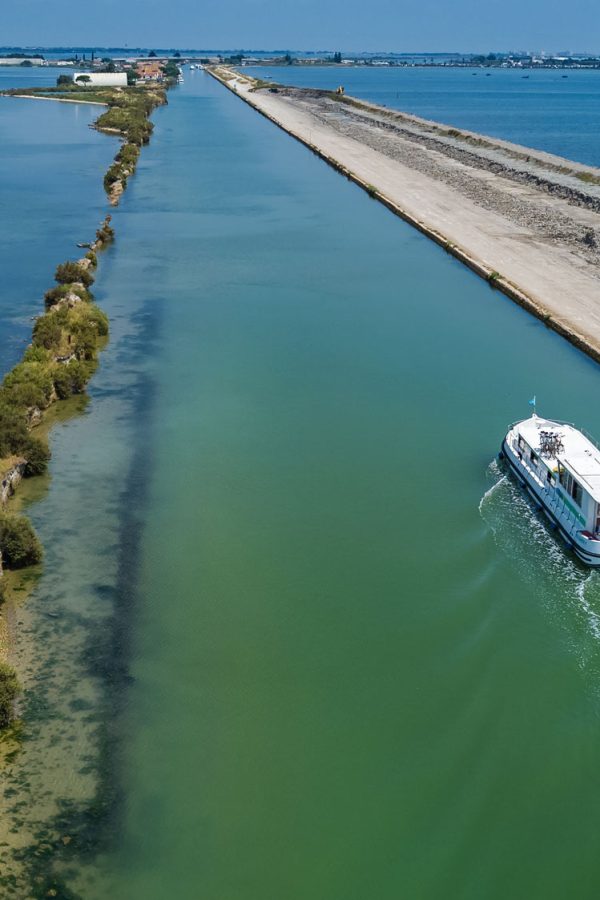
(526, 218)
(513, 181)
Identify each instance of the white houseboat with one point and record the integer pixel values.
(560, 468)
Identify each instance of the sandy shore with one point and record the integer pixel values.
(528, 219)
(57, 99)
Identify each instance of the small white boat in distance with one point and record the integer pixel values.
(559, 466)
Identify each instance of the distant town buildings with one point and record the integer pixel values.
(149, 69)
(152, 67)
(22, 61)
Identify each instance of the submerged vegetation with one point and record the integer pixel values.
(66, 339)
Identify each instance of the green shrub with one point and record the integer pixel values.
(28, 384)
(54, 295)
(96, 317)
(19, 542)
(136, 134)
(172, 70)
(85, 339)
(128, 155)
(129, 118)
(72, 377)
(113, 175)
(69, 272)
(93, 258)
(79, 372)
(9, 690)
(14, 433)
(36, 354)
(62, 381)
(47, 332)
(15, 438)
(37, 454)
(24, 395)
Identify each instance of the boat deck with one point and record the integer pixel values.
(577, 453)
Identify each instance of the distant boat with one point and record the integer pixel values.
(524, 76)
(559, 467)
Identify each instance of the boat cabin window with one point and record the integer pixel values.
(571, 486)
(549, 476)
(526, 451)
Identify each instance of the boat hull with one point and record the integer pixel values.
(586, 550)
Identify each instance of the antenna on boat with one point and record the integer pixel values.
(532, 403)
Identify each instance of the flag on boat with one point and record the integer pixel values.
(532, 401)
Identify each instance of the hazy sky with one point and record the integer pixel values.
(401, 25)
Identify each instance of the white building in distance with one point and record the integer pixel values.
(19, 60)
(101, 79)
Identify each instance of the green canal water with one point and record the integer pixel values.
(309, 642)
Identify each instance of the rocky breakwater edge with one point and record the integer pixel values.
(57, 364)
(526, 221)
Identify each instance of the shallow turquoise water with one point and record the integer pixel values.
(327, 651)
(542, 109)
(354, 674)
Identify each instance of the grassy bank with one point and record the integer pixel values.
(64, 348)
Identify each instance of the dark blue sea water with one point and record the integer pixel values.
(51, 166)
(542, 109)
(23, 76)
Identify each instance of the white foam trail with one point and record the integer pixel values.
(493, 471)
(490, 491)
(593, 618)
(566, 588)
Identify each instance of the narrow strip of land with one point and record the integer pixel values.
(58, 99)
(526, 220)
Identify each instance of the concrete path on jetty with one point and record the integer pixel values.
(527, 221)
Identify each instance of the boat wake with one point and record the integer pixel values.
(593, 617)
(537, 555)
(495, 473)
